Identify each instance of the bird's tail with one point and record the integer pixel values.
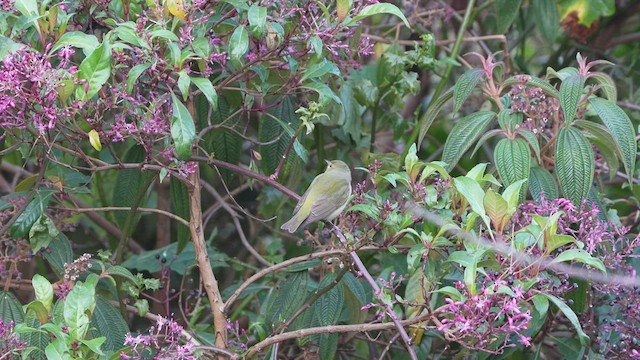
(293, 224)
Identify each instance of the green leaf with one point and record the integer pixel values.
(95, 70)
(574, 164)
(183, 130)
(606, 85)
(42, 232)
(164, 34)
(180, 202)
(94, 344)
(28, 8)
(329, 306)
(31, 213)
(570, 94)
(43, 290)
(506, 13)
(547, 19)
(464, 86)
(121, 271)
(87, 42)
(287, 297)
(180, 263)
(430, 115)
(107, 322)
(513, 160)
(381, 8)
(316, 44)
(556, 240)
(508, 120)
(325, 94)
(541, 181)
(496, 208)
(328, 343)
(472, 192)
(8, 46)
(276, 135)
(463, 135)
(183, 84)
(78, 306)
(10, 308)
(134, 74)
(621, 129)
(570, 315)
(59, 253)
(580, 256)
(129, 183)
(223, 141)
(238, 43)
(208, 90)
(257, 19)
(320, 69)
(532, 139)
(533, 82)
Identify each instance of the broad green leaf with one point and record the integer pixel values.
(223, 141)
(183, 84)
(28, 8)
(464, 86)
(59, 253)
(94, 344)
(513, 160)
(506, 13)
(78, 306)
(325, 93)
(472, 192)
(164, 34)
(56, 350)
(542, 182)
(183, 130)
(532, 139)
(42, 232)
(287, 297)
(238, 43)
(496, 208)
(574, 164)
(547, 19)
(107, 322)
(580, 256)
(316, 44)
(381, 8)
(87, 42)
(556, 240)
(330, 304)
(43, 290)
(570, 95)
(621, 129)
(257, 19)
(129, 184)
(486, 136)
(320, 69)
(275, 132)
(570, 315)
(134, 74)
(508, 120)
(31, 213)
(180, 202)
(121, 271)
(95, 70)
(7, 45)
(606, 85)
(208, 90)
(430, 115)
(510, 194)
(463, 135)
(10, 308)
(342, 9)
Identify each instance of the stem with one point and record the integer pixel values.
(454, 52)
(204, 264)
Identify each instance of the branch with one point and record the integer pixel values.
(328, 330)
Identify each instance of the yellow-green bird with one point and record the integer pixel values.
(325, 198)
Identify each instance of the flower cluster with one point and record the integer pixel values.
(29, 91)
(385, 295)
(538, 109)
(163, 342)
(71, 273)
(486, 320)
(238, 338)
(9, 341)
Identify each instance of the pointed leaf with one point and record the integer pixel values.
(238, 43)
(208, 90)
(542, 182)
(547, 19)
(430, 115)
(580, 256)
(570, 315)
(95, 70)
(464, 86)
(570, 94)
(606, 85)
(380, 8)
(183, 130)
(134, 74)
(463, 135)
(621, 128)
(506, 13)
(513, 160)
(574, 164)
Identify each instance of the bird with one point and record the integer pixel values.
(325, 199)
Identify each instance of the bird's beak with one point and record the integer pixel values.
(328, 162)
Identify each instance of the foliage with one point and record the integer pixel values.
(161, 139)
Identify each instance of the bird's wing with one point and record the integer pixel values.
(326, 204)
(304, 196)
